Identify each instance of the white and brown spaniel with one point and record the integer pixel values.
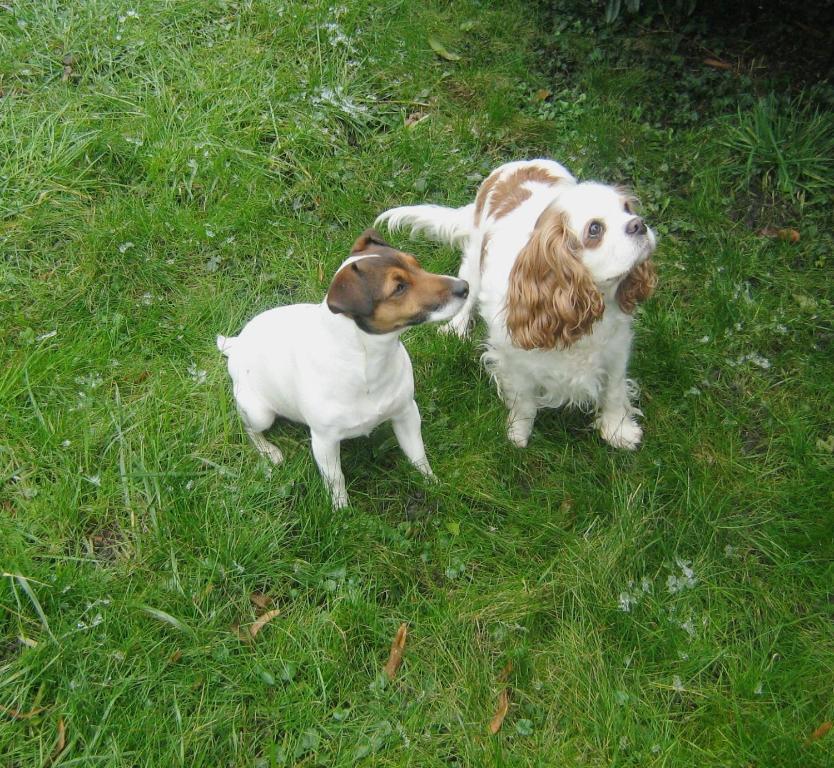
(556, 268)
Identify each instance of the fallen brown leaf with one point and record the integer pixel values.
(819, 732)
(395, 658)
(500, 713)
(67, 61)
(505, 673)
(542, 94)
(260, 600)
(414, 118)
(175, 656)
(262, 622)
(717, 64)
(789, 235)
(784, 233)
(18, 715)
(242, 634)
(60, 745)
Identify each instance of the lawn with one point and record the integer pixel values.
(169, 169)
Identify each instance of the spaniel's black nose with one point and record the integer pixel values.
(460, 289)
(636, 226)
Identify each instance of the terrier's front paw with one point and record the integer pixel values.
(339, 500)
(424, 468)
(620, 431)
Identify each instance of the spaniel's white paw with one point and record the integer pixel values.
(620, 431)
(519, 431)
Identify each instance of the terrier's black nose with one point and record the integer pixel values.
(460, 289)
(636, 226)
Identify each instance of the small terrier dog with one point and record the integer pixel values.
(557, 268)
(339, 366)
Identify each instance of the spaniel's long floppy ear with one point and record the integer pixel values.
(552, 300)
(367, 239)
(349, 293)
(637, 286)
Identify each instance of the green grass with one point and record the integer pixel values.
(202, 160)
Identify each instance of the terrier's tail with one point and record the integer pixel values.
(451, 226)
(225, 344)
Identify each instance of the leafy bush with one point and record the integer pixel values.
(782, 151)
(613, 8)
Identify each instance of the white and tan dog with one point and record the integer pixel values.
(556, 268)
(339, 366)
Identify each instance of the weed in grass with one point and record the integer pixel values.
(781, 150)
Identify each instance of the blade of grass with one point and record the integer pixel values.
(167, 618)
(33, 598)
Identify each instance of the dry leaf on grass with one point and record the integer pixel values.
(505, 673)
(248, 634)
(500, 713)
(542, 94)
(260, 600)
(241, 633)
(60, 745)
(62, 738)
(414, 118)
(717, 63)
(18, 715)
(787, 234)
(68, 61)
(819, 732)
(395, 658)
(262, 622)
(175, 656)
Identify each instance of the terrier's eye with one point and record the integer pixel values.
(628, 207)
(399, 290)
(595, 229)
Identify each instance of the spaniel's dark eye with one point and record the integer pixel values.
(399, 290)
(595, 229)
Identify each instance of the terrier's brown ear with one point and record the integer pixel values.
(368, 238)
(349, 293)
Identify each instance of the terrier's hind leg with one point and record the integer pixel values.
(256, 419)
(265, 448)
